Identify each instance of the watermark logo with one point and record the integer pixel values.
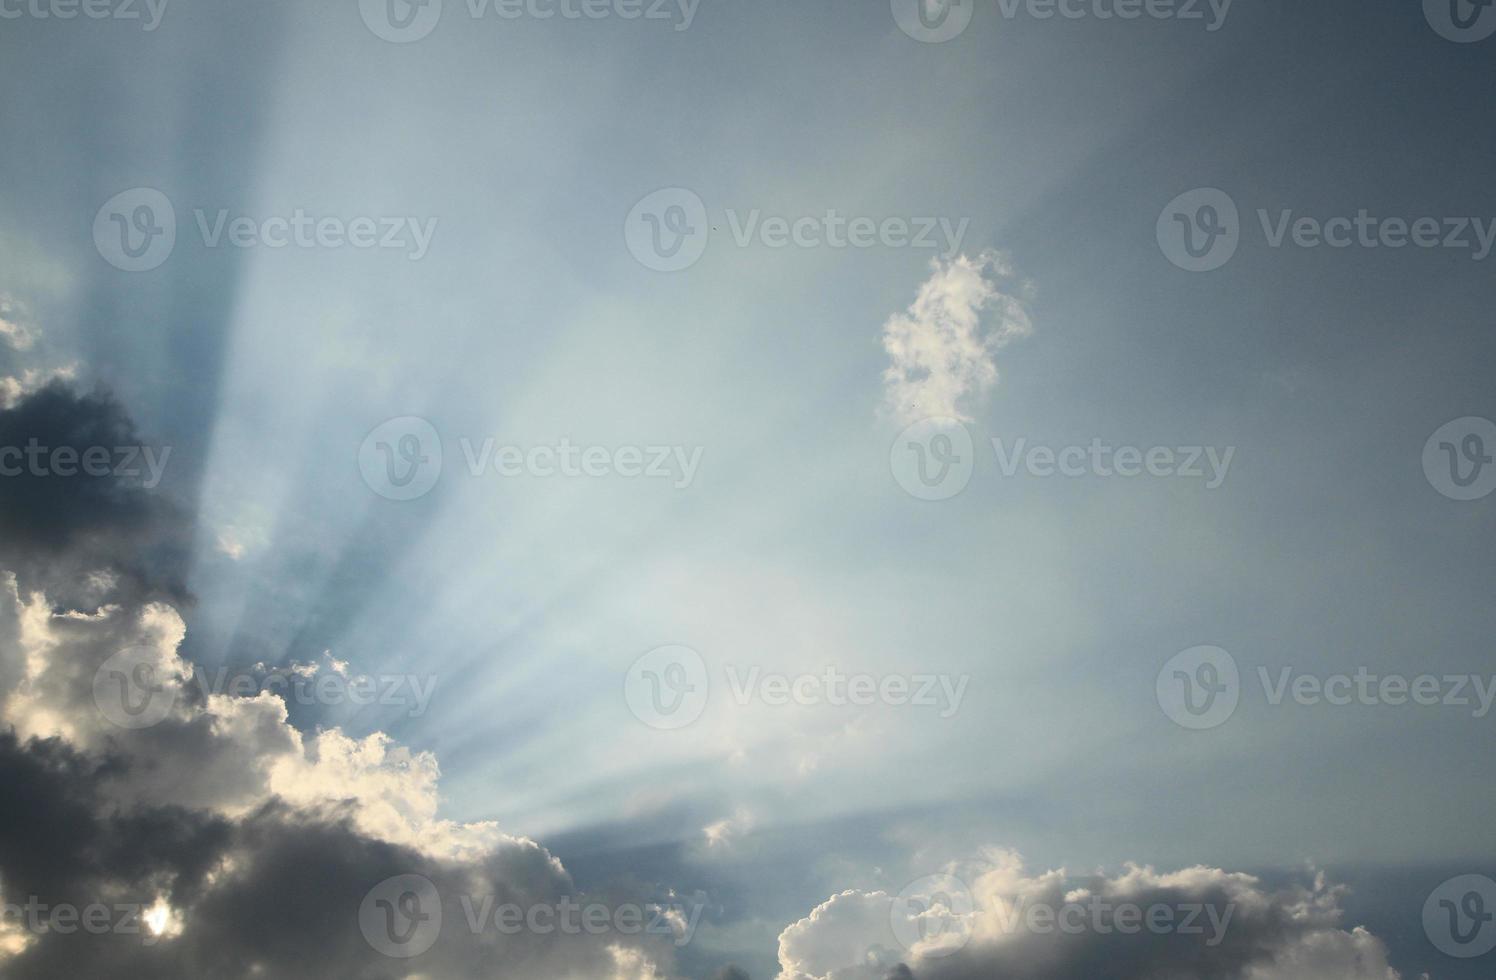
(1099, 459)
(668, 687)
(148, 12)
(124, 463)
(933, 915)
(130, 691)
(1200, 230)
(936, 21)
(832, 687)
(400, 21)
(401, 459)
(96, 919)
(401, 917)
(1199, 688)
(933, 21)
(568, 917)
(667, 230)
(676, 463)
(136, 230)
(403, 21)
(1461, 21)
(1459, 916)
(1459, 459)
(933, 459)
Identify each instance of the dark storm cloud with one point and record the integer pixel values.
(60, 520)
(181, 815)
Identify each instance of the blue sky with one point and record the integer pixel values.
(505, 158)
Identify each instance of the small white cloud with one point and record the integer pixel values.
(13, 388)
(725, 831)
(11, 329)
(943, 348)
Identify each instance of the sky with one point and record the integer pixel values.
(818, 477)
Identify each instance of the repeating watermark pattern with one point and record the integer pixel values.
(1458, 458)
(401, 459)
(675, 463)
(669, 688)
(131, 692)
(937, 21)
(1097, 914)
(136, 231)
(934, 914)
(1461, 21)
(1201, 687)
(404, 21)
(832, 687)
(1098, 459)
(147, 13)
(934, 460)
(937, 915)
(1459, 916)
(402, 917)
(146, 464)
(668, 230)
(37, 917)
(1200, 231)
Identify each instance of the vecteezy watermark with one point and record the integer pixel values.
(1097, 914)
(150, 922)
(669, 688)
(934, 914)
(131, 691)
(121, 462)
(136, 231)
(1200, 688)
(668, 230)
(403, 21)
(1099, 459)
(401, 459)
(401, 917)
(1461, 21)
(934, 460)
(1459, 916)
(936, 21)
(1459, 459)
(1200, 231)
(937, 914)
(147, 12)
(831, 687)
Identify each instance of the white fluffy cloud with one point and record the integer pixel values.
(282, 813)
(991, 918)
(942, 349)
